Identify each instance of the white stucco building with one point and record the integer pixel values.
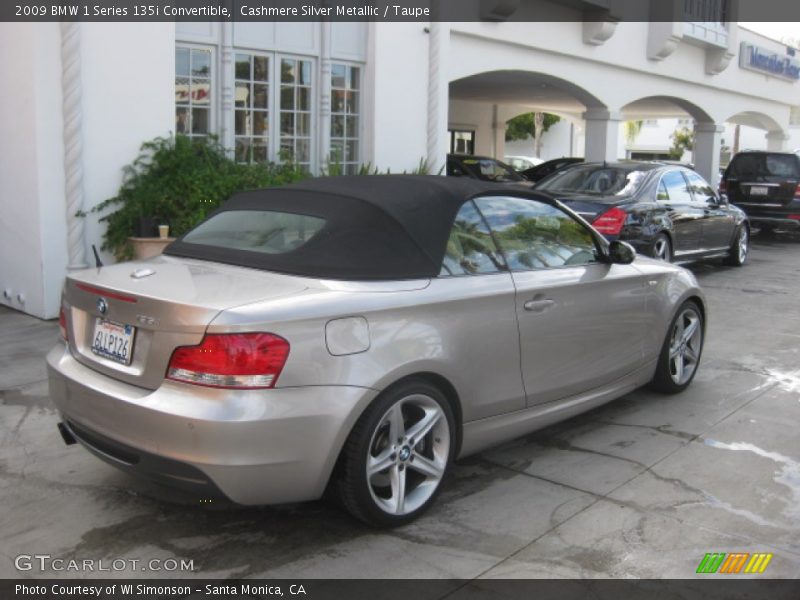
(82, 97)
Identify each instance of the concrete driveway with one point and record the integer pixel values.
(643, 487)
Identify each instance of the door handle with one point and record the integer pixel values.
(539, 305)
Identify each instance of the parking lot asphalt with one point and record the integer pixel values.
(642, 487)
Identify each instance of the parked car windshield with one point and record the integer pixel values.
(776, 165)
(491, 170)
(597, 180)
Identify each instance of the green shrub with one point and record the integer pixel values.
(178, 181)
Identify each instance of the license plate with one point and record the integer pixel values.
(113, 341)
(759, 190)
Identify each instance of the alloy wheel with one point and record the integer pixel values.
(661, 248)
(686, 343)
(743, 244)
(408, 454)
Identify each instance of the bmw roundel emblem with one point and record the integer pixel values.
(102, 305)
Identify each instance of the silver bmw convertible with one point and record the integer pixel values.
(357, 335)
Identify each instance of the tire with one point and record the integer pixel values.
(680, 353)
(389, 474)
(662, 247)
(740, 248)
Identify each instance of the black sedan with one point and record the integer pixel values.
(665, 211)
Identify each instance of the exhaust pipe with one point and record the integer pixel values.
(66, 434)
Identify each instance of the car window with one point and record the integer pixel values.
(661, 193)
(781, 165)
(491, 170)
(535, 235)
(676, 188)
(700, 188)
(755, 165)
(594, 180)
(470, 247)
(264, 231)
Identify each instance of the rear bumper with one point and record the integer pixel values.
(775, 216)
(253, 447)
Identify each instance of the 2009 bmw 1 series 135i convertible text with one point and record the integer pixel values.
(358, 334)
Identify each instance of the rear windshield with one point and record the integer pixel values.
(775, 165)
(308, 233)
(596, 180)
(266, 231)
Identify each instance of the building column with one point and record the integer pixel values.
(72, 110)
(227, 104)
(324, 128)
(705, 155)
(776, 140)
(602, 134)
(498, 134)
(438, 94)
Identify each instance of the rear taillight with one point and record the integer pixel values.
(239, 360)
(62, 323)
(795, 217)
(797, 191)
(723, 187)
(611, 221)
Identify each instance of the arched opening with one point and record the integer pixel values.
(750, 130)
(672, 128)
(480, 106)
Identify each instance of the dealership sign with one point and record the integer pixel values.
(769, 62)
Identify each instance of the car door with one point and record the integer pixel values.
(687, 218)
(472, 303)
(581, 321)
(718, 223)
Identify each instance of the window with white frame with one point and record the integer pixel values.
(272, 115)
(295, 111)
(193, 91)
(251, 108)
(345, 103)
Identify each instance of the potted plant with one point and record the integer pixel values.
(175, 182)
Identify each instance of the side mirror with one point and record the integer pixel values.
(621, 253)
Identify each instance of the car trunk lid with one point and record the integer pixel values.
(590, 207)
(156, 306)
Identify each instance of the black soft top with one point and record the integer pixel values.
(378, 227)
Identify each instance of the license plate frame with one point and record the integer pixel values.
(759, 190)
(113, 341)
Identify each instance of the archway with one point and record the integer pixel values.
(481, 104)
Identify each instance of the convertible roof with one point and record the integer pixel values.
(377, 227)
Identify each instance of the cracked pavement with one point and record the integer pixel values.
(642, 487)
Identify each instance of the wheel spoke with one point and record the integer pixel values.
(679, 329)
(421, 428)
(397, 479)
(397, 428)
(426, 466)
(690, 354)
(677, 363)
(688, 332)
(376, 464)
